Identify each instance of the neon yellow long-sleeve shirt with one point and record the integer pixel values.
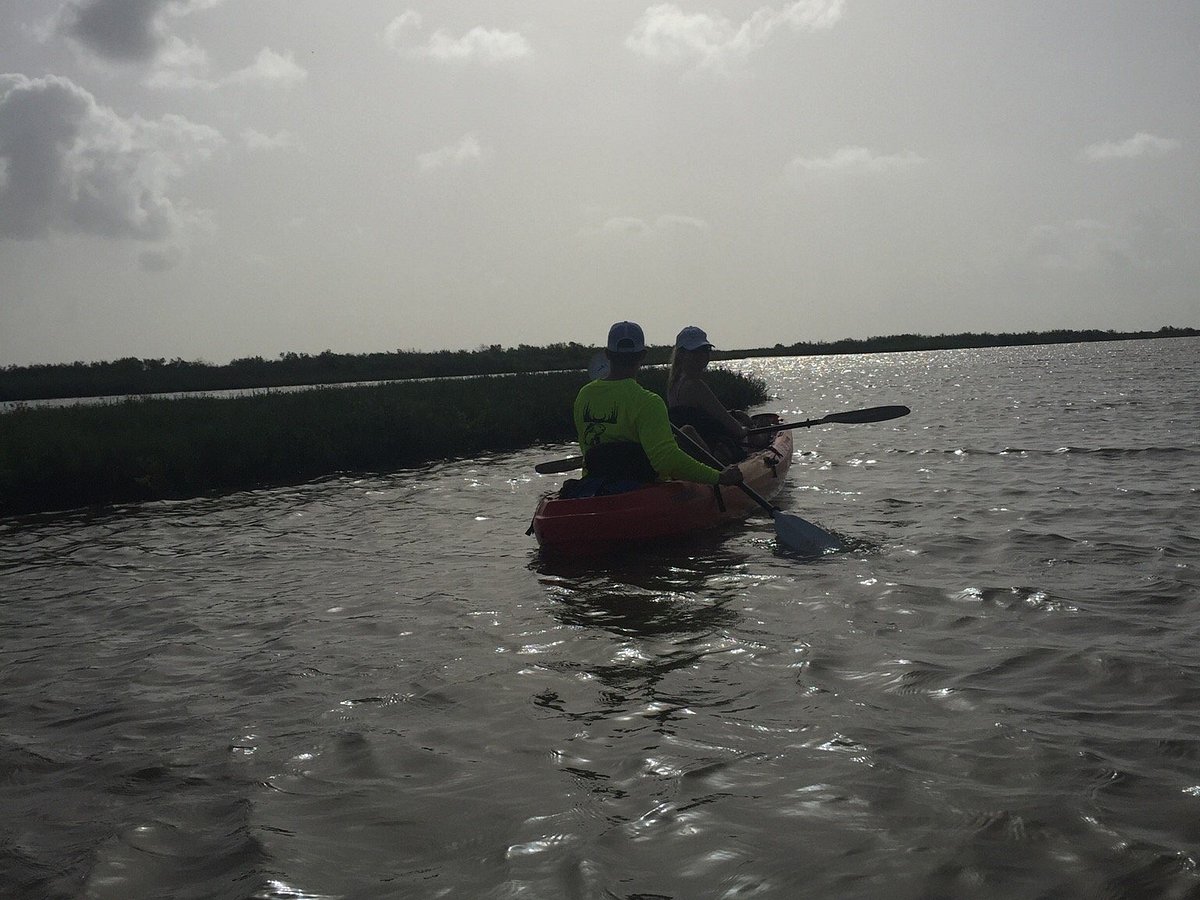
(623, 410)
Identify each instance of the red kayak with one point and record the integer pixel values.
(663, 510)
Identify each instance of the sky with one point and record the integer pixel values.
(216, 179)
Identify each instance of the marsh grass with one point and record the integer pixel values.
(68, 457)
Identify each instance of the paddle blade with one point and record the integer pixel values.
(555, 466)
(863, 416)
(598, 367)
(798, 534)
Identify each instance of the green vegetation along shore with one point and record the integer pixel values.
(160, 376)
(136, 450)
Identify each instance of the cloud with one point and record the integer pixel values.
(160, 259)
(138, 31)
(257, 140)
(186, 68)
(1141, 144)
(402, 30)
(666, 34)
(119, 30)
(124, 30)
(180, 65)
(1142, 242)
(461, 153)
(270, 68)
(477, 45)
(1080, 245)
(74, 166)
(631, 226)
(852, 160)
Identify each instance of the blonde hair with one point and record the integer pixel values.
(676, 367)
(679, 358)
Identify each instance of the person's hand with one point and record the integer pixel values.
(730, 475)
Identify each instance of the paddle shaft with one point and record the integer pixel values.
(852, 417)
(707, 457)
(790, 530)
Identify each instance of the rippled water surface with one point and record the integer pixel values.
(375, 687)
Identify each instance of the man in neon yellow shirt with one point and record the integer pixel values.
(624, 430)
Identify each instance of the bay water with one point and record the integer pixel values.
(376, 687)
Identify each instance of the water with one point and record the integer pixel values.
(376, 688)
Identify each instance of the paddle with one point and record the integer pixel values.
(851, 417)
(555, 466)
(790, 530)
(598, 367)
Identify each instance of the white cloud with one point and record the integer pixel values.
(180, 65)
(75, 166)
(179, 55)
(852, 160)
(632, 226)
(187, 68)
(401, 30)
(486, 45)
(257, 140)
(461, 153)
(270, 68)
(667, 34)
(1141, 144)
(480, 44)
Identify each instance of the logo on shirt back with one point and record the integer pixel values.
(594, 426)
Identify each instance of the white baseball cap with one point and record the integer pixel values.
(626, 337)
(692, 338)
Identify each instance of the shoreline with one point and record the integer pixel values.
(139, 377)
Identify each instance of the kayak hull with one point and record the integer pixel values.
(668, 509)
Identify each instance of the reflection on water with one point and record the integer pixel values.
(375, 687)
(640, 615)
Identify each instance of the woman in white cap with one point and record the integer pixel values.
(692, 402)
(624, 431)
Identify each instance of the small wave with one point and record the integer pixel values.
(1102, 452)
(1121, 452)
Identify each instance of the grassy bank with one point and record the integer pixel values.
(156, 449)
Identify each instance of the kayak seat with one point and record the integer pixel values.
(619, 460)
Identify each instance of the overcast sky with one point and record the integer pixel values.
(211, 179)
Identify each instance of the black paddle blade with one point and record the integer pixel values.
(555, 466)
(863, 416)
